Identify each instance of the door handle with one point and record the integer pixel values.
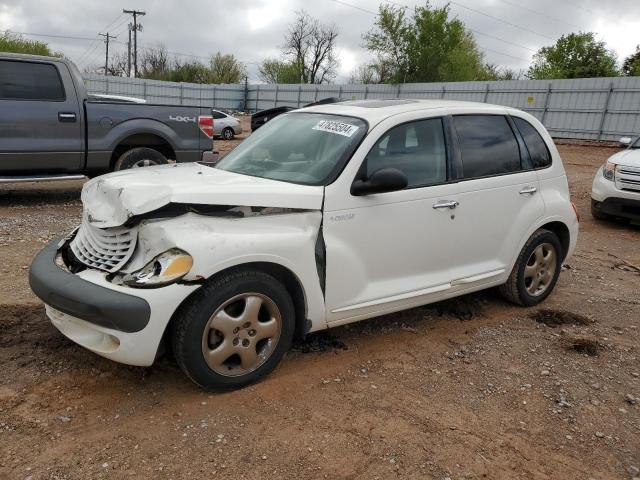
(528, 190)
(450, 204)
(69, 117)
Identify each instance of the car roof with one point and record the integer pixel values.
(374, 111)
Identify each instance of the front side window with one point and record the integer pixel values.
(30, 81)
(538, 151)
(417, 149)
(305, 148)
(487, 145)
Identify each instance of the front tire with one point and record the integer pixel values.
(139, 157)
(536, 271)
(234, 331)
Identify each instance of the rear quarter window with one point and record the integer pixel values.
(488, 146)
(538, 150)
(30, 81)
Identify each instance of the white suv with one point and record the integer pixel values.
(616, 187)
(324, 216)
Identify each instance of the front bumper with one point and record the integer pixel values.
(120, 323)
(618, 207)
(74, 296)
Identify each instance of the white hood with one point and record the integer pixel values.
(629, 157)
(112, 199)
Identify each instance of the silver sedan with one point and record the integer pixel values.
(225, 126)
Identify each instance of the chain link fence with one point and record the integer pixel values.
(591, 108)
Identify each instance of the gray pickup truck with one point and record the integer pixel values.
(51, 128)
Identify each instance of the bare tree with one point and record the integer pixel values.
(118, 65)
(154, 63)
(311, 47)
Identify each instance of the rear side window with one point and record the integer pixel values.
(538, 151)
(218, 115)
(30, 81)
(487, 145)
(416, 148)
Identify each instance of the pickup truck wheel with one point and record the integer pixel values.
(228, 133)
(234, 331)
(536, 271)
(139, 157)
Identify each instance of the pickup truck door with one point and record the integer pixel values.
(40, 118)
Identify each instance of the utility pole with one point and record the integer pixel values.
(130, 28)
(107, 37)
(136, 28)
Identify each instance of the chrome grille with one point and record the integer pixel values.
(106, 249)
(628, 178)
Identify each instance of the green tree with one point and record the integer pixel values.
(11, 42)
(427, 46)
(631, 65)
(277, 71)
(577, 55)
(225, 69)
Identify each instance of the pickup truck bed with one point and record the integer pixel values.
(49, 125)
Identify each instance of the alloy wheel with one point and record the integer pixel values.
(540, 269)
(241, 334)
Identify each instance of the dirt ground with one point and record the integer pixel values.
(466, 389)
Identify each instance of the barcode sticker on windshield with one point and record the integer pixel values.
(332, 126)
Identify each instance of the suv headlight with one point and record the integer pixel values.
(166, 268)
(609, 170)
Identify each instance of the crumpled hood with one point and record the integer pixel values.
(110, 200)
(629, 157)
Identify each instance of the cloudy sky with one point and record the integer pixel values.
(508, 31)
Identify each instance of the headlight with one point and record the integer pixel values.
(166, 268)
(609, 170)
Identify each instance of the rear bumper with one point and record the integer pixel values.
(70, 294)
(618, 207)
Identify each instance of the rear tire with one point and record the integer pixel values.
(234, 330)
(228, 133)
(536, 271)
(139, 157)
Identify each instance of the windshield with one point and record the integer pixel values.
(306, 148)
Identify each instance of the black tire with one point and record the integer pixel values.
(188, 329)
(516, 290)
(228, 133)
(139, 157)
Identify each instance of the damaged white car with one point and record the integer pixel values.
(324, 216)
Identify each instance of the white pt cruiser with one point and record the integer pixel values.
(325, 216)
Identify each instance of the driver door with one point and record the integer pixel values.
(390, 251)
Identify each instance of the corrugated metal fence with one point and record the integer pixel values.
(592, 108)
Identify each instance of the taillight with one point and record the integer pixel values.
(205, 122)
(575, 209)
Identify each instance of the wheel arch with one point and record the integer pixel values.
(288, 278)
(562, 232)
(142, 139)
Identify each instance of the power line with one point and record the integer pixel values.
(50, 36)
(355, 6)
(592, 12)
(498, 19)
(540, 13)
(471, 29)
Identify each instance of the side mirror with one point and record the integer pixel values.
(381, 181)
(625, 141)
